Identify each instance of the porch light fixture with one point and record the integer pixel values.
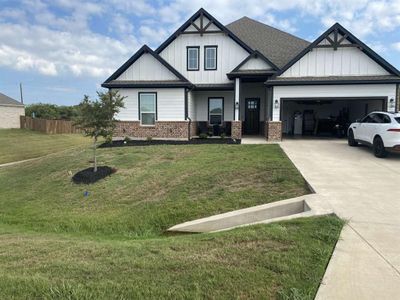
(276, 104)
(391, 103)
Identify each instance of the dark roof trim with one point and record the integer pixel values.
(215, 87)
(136, 56)
(329, 82)
(265, 74)
(255, 54)
(339, 28)
(203, 12)
(146, 85)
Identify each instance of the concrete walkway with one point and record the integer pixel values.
(365, 191)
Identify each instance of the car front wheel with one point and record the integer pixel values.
(350, 139)
(379, 148)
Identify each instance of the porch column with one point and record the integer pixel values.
(236, 123)
(237, 95)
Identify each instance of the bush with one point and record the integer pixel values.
(203, 135)
(51, 111)
(223, 135)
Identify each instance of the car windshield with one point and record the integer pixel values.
(397, 119)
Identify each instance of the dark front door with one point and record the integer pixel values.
(252, 116)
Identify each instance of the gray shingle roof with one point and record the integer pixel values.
(5, 100)
(278, 46)
(333, 79)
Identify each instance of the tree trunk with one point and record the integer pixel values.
(94, 155)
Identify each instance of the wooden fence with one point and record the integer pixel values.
(48, 126)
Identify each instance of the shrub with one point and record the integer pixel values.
(203, 135)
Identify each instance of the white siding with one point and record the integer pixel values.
(201, 102)
(147, 68)
(328, 62)
(211, 27)
(9, 116)
(339, 91)
(230, 54)
(256, 64)
(192, 106)
(170, 104)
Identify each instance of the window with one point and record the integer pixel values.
(148, 108)
(193, 58)
(210, 57)
(215, 111)
(397, 119)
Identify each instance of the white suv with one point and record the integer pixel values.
(381, 130)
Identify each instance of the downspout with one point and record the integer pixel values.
(187, 112)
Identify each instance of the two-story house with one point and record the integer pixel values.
(249, 78)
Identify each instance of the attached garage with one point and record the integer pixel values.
(330, 84)
(10, 112)
(328, 110)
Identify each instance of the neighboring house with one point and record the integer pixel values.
(10, 112)
(249, 78)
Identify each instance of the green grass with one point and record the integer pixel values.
(278, 261)
(58, 244)
(20, 144)
(153, 189)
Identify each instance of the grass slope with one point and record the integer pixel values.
(153, 189)
(19, 144)
(58, 244)
(277, 261)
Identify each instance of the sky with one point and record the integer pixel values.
(62, 50)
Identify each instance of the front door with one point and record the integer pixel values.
(252, 116)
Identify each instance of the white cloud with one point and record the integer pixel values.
(396, 46)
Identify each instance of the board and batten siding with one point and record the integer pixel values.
(147, 68)
(229, 55)
(170, 104)
(329, 62)
(256, 64)
(330, 91)
(201, 104)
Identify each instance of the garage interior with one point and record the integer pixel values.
(325, 117)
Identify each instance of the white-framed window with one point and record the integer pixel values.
(148, 108)
(210, 57)
(215, 111)
(193, 58)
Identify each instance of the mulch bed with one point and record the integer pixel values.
(122, 143)
(87, 176)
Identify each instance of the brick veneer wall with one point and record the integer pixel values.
(162, 129)
(9, 116)
(193, 129)
(236, 130)
(273, 131)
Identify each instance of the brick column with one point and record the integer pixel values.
(236, 130)
(274, 131)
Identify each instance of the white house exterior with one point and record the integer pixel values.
(10, 112)
(249, 78)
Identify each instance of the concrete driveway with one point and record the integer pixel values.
(365, 191)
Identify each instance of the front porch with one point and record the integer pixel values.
(231, 110)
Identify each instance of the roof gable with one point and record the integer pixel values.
(256, 61)
(202, 23)
(338, 37)
(137, 67)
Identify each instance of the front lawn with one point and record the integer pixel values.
(21, 144)
(277, 261)
(57, 243)
(154, 188)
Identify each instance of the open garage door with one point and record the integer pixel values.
(325, 116)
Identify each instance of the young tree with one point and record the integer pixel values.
(96, 118)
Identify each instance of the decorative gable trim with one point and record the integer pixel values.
(202, 29)
(338, 42)
(135, 57)
(255, 54)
